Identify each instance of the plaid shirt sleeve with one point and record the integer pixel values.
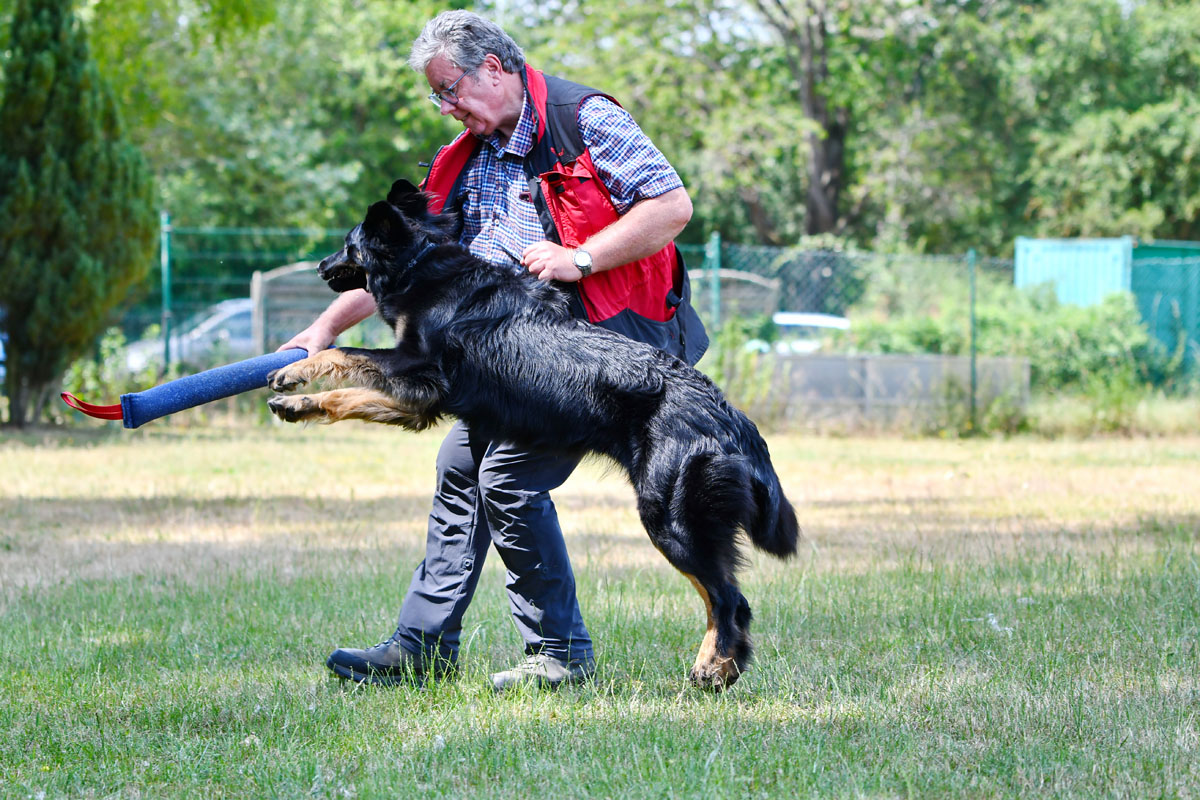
(631, 167)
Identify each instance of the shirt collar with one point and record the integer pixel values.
(521, 142)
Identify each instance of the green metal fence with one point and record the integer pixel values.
(1167, 291)
(200, 267)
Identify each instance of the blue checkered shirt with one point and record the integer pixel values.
(499, 218)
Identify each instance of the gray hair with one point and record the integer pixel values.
(465, 39)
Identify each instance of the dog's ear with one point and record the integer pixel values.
(408, 198)
(384, 222)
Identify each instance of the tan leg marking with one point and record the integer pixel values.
(340, 404)
(712, 670)
(332, 363)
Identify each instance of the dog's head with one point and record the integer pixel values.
(390, 230)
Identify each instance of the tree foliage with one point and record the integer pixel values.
(76, 200)
(1118, 172)
(1016, 98)
(926, 125)
(1122, 156)
(299, 114)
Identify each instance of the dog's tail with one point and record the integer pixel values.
(774, 527)
(743, 491)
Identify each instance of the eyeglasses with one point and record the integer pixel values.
(447, 95)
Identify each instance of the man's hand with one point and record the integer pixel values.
(644, 230)
(313, 339)
(348, 309)
(551, 262)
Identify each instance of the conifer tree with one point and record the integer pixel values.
(77, 219)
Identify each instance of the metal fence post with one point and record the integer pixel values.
(974, 378)
(712, 266)
(165, 263)
(258, 316)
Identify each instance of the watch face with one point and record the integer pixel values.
(583, 258)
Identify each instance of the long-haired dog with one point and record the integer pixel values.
(500, 350)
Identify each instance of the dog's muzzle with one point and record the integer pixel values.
(341, 274)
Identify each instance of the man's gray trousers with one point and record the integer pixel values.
(495, 493)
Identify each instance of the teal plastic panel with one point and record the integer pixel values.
(1083, 271)
(1165, 248)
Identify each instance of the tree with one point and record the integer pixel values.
(76, 202)
(299, 115)
(807, 36)
(767, 107)
(1119, 173)
(700, 78)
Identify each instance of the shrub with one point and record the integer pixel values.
(1067, 346)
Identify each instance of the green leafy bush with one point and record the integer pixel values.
(1067, 346)
(734, 366)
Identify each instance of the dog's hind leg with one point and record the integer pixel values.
(340, 404)
(726, 649)
(700, 541)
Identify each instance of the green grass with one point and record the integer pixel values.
(980, 618)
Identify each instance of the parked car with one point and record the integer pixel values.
(222, 333)
(800, 332)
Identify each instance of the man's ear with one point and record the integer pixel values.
(408, 198)
(385, 223)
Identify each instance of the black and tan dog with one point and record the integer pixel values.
(500, 350)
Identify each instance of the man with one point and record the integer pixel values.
(531, 143)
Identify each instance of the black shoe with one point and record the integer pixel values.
(386, 664)
(545, 672)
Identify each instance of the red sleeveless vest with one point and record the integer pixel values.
(573, 203)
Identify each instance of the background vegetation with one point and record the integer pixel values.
(920, 126)
(929, 125)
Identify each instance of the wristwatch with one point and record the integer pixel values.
(583, 262)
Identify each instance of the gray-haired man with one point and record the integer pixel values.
(497, 492)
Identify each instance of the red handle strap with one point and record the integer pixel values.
(99, 412)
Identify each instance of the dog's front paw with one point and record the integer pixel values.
(285, 379)
(296, 408)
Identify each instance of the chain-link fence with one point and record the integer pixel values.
(225, 293)
(909, 353)
(190, 301)
(836, 282)
(203, 266)
(927, 313)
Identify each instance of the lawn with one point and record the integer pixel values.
(966, 618)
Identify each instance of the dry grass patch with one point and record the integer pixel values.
(159, 500)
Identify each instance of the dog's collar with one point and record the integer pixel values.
(412, 262)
